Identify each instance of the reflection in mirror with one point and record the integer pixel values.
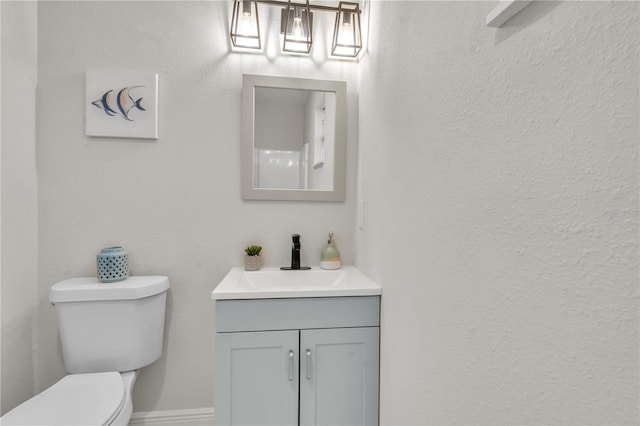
(293, 139)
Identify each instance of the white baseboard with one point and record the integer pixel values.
(193, 417)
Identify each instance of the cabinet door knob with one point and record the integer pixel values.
(291, 365)
(308, 364)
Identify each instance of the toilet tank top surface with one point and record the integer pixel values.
(77, 399)
(90, 289)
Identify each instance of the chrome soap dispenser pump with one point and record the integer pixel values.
(330, 258)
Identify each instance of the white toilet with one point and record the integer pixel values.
(107, 332)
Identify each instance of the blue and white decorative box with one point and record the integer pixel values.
(113, 264)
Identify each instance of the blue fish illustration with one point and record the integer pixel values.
(121, 103)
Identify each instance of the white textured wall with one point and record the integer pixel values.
(174, 203)
(19, 200)
(499, 169)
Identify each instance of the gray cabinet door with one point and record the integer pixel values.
(339, 376)
(257, 378)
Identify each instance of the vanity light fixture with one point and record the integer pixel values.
(347, 37)
(296, 26)
(245, 25)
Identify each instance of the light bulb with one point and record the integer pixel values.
(297, 31)
(246, 25)
(345, 35)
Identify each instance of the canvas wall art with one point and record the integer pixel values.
(121, 104)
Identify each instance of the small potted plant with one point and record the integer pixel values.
(252, 258)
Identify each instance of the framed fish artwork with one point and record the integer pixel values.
(121, 104)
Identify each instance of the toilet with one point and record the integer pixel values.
(107, 332)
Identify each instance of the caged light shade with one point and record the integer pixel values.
(296, 25)
(245, 25)
(347, 35)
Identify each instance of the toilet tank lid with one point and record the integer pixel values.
(90, 289)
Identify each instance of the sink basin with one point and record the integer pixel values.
(275, 279)
(271, 282)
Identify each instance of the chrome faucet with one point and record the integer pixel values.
(295, 255)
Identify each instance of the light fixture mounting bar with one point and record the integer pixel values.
(311, 6)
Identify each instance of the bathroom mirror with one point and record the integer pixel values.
(293, 139)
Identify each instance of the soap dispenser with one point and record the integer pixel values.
(330, 258)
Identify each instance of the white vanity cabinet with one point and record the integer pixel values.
(290, 361)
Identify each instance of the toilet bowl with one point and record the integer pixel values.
(107, 332)
(79, 399)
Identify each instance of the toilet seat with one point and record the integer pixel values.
(77, 399)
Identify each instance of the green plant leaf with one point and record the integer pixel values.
(253, 250)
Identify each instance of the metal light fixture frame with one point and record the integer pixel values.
(347, 20)
(293, 12)
(344, 9)
(238, 38)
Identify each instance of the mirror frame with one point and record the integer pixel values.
(249, 83)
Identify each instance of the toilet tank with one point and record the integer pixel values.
(110, 326)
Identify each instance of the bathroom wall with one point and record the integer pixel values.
(174, 203)
(19, 222)
(499, 173)
(498, 169)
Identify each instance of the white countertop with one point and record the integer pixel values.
(272, 283)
